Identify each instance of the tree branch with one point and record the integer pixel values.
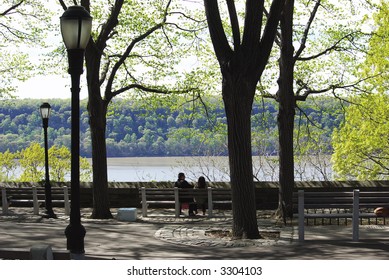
(63, 5)
(306, 30)
(188, 17)
(334, 47)
(13, 7)
(109, 26)
(183, 29)
(219, 40)
(278, 34)
(306, 116)
(376, 160)
(253, 24)
(234, 23)
(308, 91)
(149, 89)
(269, 34)
(109, 94)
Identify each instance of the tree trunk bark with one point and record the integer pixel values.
(286, 113)
(101, 208)
(238, 99)
(97, 108)
(241, 68)
(286, 174)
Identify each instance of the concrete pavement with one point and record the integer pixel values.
(161, 236)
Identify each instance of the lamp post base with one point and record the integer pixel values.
(77, 256)
(75, 234)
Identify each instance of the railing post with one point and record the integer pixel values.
(144, 202)
(177, 202)
(210, 203)
(301, 215)
(66, 200)
(355, 215)
(4, 200)
(35, 200)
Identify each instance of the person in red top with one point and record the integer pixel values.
(183, 184)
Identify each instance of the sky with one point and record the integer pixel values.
(49, 87)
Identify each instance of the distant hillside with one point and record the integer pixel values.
(136, 129)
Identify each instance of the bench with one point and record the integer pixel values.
(170, 197)
(34, 197)
(354, 205)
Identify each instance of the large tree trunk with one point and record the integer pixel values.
(241, 68)
(286, 113)
(97, 108)
(238, 99)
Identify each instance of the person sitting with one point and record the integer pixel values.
(382, 212)
(201, 200)
(183, 184)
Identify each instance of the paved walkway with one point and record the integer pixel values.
(161, 236)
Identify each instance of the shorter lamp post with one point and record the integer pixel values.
(45, 110)
(76, 25)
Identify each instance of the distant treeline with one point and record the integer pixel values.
(136, 128)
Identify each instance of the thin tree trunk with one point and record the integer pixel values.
(286, 176)
(97, 108)
(101, 208)
(286, 113)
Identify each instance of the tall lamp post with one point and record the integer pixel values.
(76, 25)
(45, 110)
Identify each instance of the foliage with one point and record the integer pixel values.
(313, 135)
(361, 146)
(85, 170)
(22, 23)
(317, 119)
(329, 46)
(361, 143)
(8, 165)
(140, 130)
(377, 63)
(31, 163)
(314, 36)
(59, 159)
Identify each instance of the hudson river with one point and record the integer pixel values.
(213, 168)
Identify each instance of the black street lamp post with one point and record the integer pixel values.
(45, 110)
(76, 24)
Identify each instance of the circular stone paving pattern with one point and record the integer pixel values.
(218, 237)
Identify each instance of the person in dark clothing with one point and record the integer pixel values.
(183, 184)
(201, 200)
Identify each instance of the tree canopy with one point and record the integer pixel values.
(361, 146)
(376, 63)
(361, 143)
(23, 24)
